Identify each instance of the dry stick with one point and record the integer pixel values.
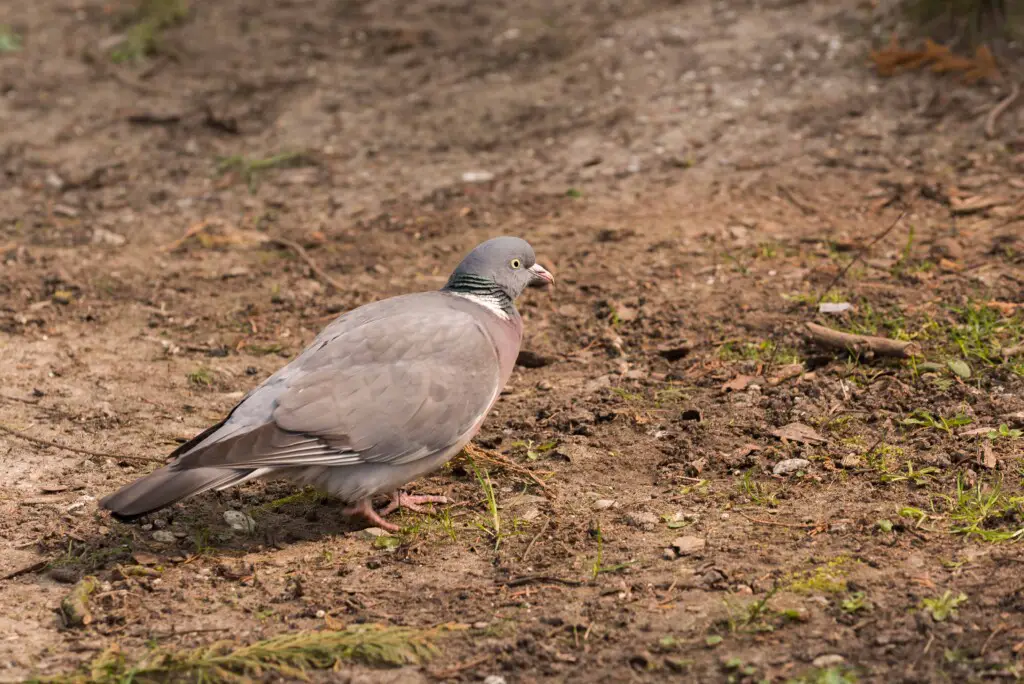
(842, 274)
(862, 344)
(1012, 351)
(448, 672)
(999, 109)
(860, 255)
(497, 459)
(33, 567)
(84, 452)
(533, 541)
(23, 400)
(802, 526)
(304, 255)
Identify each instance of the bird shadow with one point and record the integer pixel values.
(225, 525)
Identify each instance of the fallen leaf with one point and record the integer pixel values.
(1007, 309)
(974, 203)
(675, 352)
(974, 432)
(739, 383)
(962, 370)
(800, 433)
(686, 546)
(745, 450)
(143, 558)
(988, 457)
(786, 373)
(529, 359)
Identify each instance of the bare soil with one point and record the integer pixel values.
(696, 174)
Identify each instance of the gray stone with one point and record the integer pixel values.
(790, 466)
(686, 546)
(239, 521)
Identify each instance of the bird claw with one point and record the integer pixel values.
(412, 502)
(365, 509)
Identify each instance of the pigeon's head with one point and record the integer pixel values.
(505, 263)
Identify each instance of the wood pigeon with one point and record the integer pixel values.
(388, 392)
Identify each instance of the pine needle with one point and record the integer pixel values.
(287, 655)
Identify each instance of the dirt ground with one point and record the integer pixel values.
(696, 174)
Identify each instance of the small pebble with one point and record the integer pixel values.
(164, 536)
(828, 660)
(790, 466)
(239, 521)
(102, 236)
(477, 177)
(63, 575)
(373, 532)
(686, 546)
(603, 504)
(642, 520)
(494, 679)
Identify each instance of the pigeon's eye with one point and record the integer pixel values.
(516, 263)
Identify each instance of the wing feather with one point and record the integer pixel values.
(381, 389)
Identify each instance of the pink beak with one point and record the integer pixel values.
(541, 276)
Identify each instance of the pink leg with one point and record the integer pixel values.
(364, 508)
(412, 502)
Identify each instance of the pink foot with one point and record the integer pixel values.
(412, 502)
(364, 508)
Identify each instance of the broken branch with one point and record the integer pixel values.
(75, 606)
(85, 452)
(862, 345)
(301, 252)
(997, 111)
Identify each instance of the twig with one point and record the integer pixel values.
(788, 194)
(842, 274)
(999, 109)
(860, 255)
(84, 452)
(997, 630)
(1010, 352)
(97, 60)
(168, 635)
(448, 672)
(304, 255)
(530, 579)
(75, 606)
(533, 541)
(34, 567)
(802, 526)
(867, 345)
(502, 462)
(23, 400)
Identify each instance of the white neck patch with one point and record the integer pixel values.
(492, 304)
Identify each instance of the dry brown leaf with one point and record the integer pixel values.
(988, 457)
(975, 203)
(744, 451)
(1007, 309)
(786, 373)
(800, 433)
(739, 383)
(893, 59)
(216, 233)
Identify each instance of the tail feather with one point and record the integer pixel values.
(167, 486)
